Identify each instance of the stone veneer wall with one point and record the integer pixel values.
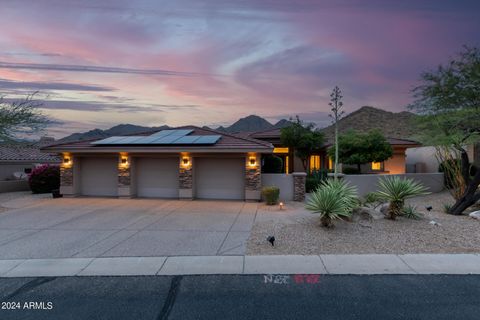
(186, 177)
(299, 180)
(66, 176)
(124, 176)
(253, 181)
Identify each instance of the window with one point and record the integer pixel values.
(377, 166)
(314, 163)
(330, 164)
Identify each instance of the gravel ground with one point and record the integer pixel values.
(297, 231)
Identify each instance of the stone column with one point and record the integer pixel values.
(67, 179)
(299, 180)
(124, 176)
(253, 183)
(185, 176)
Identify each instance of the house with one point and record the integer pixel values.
(18, 160)
(187, 163)
(320, 160)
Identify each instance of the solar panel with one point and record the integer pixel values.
(207, 139)
(162, 133)
(108, 140)
(187, 140)
(166, 140)
(165, 137)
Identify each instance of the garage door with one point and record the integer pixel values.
(98, 176)
(220, 178)
(157, 177)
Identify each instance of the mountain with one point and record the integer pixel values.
(391, 124)
(248, 124)
(118, 130)
(253, 123)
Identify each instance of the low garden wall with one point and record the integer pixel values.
(13, 185)
(366, 183)
(283, 181)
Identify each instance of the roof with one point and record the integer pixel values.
(274, 134)
(26, 153)
(226, 143)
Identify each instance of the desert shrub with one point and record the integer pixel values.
(447, 207)
(410, 212)
(333, 200)
(371, 199)
(350, 170)
(314, 179)
(272, 164)
(44, 179)
(271, 195)
(396, 190)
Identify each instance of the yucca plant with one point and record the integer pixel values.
(410, 212)
(333, 199)
(396, 190)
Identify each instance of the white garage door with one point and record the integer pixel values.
(220, 178)
(98, 176)
(157, 177)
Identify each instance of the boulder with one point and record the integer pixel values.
(384, 208)
(474, 215)
(365, 213)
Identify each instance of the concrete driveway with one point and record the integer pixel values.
(100, 227)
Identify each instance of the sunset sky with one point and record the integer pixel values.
(101, 63)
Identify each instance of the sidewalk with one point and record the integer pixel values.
(188, 265)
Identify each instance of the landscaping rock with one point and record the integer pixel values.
(365, 213)
(384, 208)
(475, 215)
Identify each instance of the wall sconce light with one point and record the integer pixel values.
(67, 161)
(124, 161)
(252, 161)
(185, 162)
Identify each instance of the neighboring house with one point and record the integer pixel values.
(17, 161)
(424, 160)
(320, 160)
(187, 162)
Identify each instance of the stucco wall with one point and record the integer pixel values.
(14, 185)
(7, 169)
(422, 160)
(368, 182)
(283, 181)
(396, 164)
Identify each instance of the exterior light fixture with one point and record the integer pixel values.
(185, 162)
(67, 161)
(124, 161)
(252, 161)
(281, 205)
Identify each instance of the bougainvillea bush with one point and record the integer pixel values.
(44, 179)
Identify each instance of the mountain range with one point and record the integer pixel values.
(251, 123)
(391, 124)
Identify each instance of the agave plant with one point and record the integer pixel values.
(396, 190)
(333, 199)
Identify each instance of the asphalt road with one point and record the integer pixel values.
(243, 297)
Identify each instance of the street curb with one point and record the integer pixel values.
(366, 264)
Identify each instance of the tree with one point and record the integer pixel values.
(360, 148)
(448, 101)
(303, 138)
(20, 117)
(336, 105)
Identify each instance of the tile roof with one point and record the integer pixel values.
(26, 152)
(275, 134)
(227, 141)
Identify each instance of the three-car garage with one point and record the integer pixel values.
(158, 177)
